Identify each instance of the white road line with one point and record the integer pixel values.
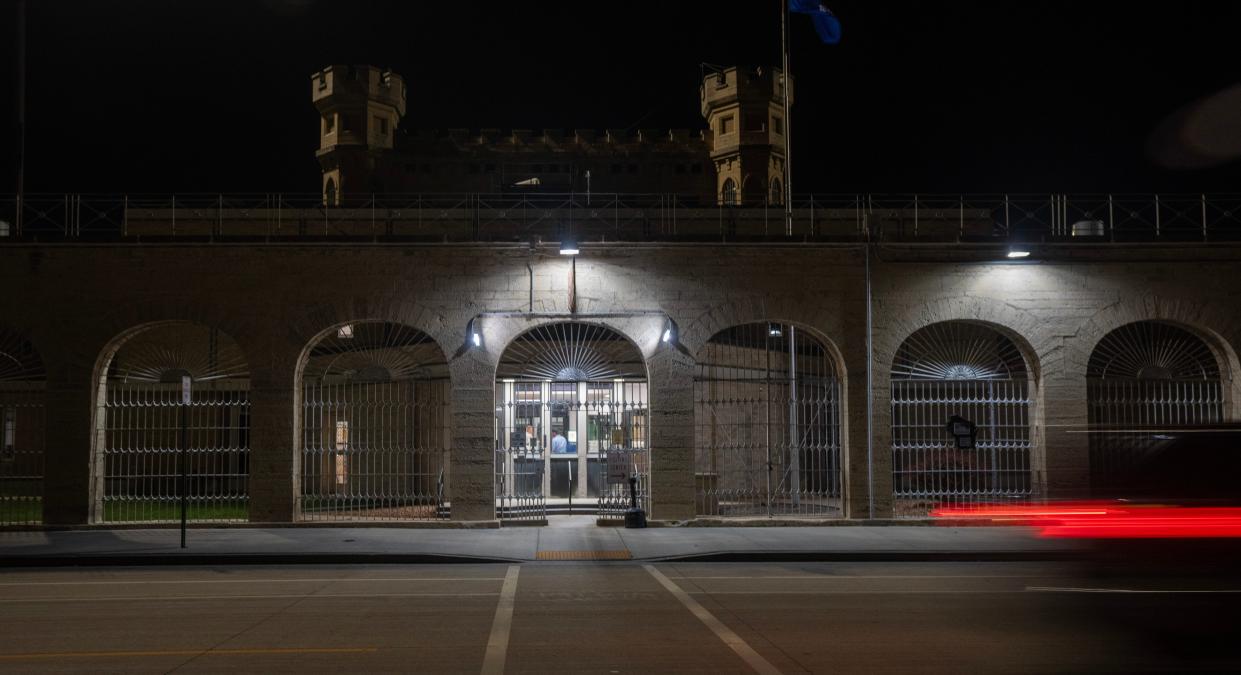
(497, 644)
(162, 598)
(902, 591)
(1056, 589)
(734, 641)
(140, 582)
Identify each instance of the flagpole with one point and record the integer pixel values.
(788, 149)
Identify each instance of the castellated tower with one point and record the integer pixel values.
(744, 108)
(359, 109)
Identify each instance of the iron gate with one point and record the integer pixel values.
(139, 461)
(568, 398)
(374, 425)
(767, 411)
(975, 372)
(1141, 378)
(22, 430)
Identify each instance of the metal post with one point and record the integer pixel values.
(1111, 220)
(794, 458)
(767, 419)
(1157, 225)
(870, 388)
(21, 111)
(1007, 223)
(125, 217)
(183, 459)
(1204, 217)
(788, 147)
(174, 215)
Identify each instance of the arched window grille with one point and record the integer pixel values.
(777, 192)
(139, 452)
(767, 424)
(974, 372)
(570, 401)
(728, 194)
(23, 382)
(374, 425)
(1143, 377)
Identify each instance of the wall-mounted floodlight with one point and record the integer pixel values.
(1014, 253)
(670, 331)
(774, 330)
(471, 330)
(568, 245)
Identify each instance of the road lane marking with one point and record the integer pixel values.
(231, 581)
(1058, 589)
(497, 644)
(724, 633)
(305, 596)
(187, 652)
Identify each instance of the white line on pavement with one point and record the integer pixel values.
(497, 644)
(734, 641)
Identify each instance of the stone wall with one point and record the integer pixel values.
(75, 300)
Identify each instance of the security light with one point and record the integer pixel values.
(1018, 253)
(475, 338)
(670, 331)
(774, 330)
(568, 245)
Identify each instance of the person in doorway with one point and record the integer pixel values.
(559, 445)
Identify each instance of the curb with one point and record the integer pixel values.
(174, 559)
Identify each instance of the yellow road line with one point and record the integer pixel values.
(187, 652)
(583, 555)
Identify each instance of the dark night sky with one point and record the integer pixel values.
(211, 95)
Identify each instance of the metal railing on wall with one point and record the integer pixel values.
(625, 217)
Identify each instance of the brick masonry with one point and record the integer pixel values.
(77, 301)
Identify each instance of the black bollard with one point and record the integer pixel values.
(635, 517)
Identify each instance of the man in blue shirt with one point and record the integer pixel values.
(559, 445)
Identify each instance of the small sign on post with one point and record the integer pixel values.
(619, 462)
(963, 432)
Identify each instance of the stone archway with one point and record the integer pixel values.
(571, 398)
(141, 407)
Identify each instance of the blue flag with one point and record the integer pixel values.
(825, 23)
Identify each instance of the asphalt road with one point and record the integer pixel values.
(618, 617)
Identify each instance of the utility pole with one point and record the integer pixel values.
(788, 146)
(21, 112)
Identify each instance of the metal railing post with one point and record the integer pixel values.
(1008, 227)
(960, 217)
(1158, 227)
(1111, 219)
(1204, 217)
(219, 215)
(125, 217)
(174, 215)
(915, 215)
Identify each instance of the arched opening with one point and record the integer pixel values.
(1141, 378)
(571, 423)
(728, 193)
(767, 424)
(777, 192)
(374, 418)
(143, 416)
(971, 371)
(329, 192)
(23, 382)
(752, 190)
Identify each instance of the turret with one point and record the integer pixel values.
(744, 108)
(359, 110)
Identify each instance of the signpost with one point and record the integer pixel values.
(182, 457)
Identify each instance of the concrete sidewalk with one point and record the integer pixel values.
(564, 539)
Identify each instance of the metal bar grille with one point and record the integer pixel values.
(137, 469)
(570, 396)
(973, 372)
(374, 426)
(22, 431)
(767, 411)
(1142, 378)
